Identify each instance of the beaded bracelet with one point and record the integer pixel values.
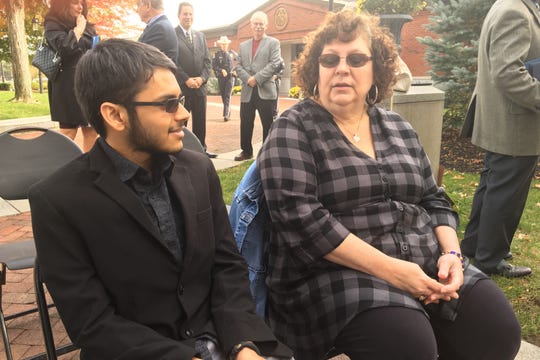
(460, 257)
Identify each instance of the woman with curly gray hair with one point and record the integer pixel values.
(364, 254)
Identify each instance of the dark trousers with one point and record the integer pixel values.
(247, 119)
(225, 90)
(497, 207)
(485, 328)
(196, 105)
(275, 110)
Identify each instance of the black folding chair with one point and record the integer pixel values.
(191, 141)
(25, 159)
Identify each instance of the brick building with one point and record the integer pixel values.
(290, 20)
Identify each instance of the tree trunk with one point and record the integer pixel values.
(19, 51)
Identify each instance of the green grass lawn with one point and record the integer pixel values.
(10, 109)
(524, 293)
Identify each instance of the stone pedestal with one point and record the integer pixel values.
(423, 107)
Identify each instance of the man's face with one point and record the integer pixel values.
(143, 9)
(258, 26)
(153, 130)
(185, 17)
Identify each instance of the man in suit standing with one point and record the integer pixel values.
(258, 59)
(504, 120)
(159, 31)
(194, 64)
(133, 238)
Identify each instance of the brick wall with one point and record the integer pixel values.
(412, 52)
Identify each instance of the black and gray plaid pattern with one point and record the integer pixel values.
(319, 187)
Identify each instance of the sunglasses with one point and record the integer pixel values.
(353, 60)
(170, 105)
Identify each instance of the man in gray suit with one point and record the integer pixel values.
(159, 31)
(194, 64)
(504, 120)
(258, 59)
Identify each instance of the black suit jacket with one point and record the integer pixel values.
(119, 291)
(160, 33)
(193, 60)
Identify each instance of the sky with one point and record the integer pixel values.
(212, 13)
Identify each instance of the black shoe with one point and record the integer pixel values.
(225, 119)
(511, 271)
(211, 155)
(243, 156)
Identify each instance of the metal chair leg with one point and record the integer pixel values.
(3, 327)
(44, 315)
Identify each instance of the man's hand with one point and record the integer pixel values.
(252, 81)
(224, 72)
(194, 82)
(248, 354)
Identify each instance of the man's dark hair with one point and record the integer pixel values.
(116, 70)
(182, 4)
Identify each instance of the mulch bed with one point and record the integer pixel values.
(460, 155)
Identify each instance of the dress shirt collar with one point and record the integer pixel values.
(154, 19)
(127, 169)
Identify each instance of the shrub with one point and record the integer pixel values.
(5, 86)
(391, 6)
(212, 86)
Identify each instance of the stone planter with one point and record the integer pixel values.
(395, 23)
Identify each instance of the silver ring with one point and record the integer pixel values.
(421, 298)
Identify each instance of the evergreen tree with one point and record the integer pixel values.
(453, 55)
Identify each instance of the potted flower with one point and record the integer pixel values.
(393, 13)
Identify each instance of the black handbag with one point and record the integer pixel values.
(47, 60)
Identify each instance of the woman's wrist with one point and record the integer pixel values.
(454, 253)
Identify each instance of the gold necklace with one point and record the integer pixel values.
(355, 136)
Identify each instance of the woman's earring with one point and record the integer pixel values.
(315, 90)
(372, 100)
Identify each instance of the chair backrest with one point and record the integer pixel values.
(191, 141)
(28, 158)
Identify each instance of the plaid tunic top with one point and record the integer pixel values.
(319, 188)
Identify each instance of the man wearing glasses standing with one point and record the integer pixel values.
(194, 64)
(258, 60)
(133, 238)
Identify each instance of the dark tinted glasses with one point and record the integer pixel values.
(353, 60)
(170, 105)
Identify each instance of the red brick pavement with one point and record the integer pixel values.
(18, 294)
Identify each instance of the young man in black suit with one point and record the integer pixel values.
(194, 64)
(133, 238)
(159, 31)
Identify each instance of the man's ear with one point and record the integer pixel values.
(115, 116)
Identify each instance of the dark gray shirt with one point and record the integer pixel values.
(151, 188)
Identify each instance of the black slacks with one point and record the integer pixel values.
(196, 105)
(247, 119)
(486, 328)
(497, 207)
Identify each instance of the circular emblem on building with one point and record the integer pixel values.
(281, 18)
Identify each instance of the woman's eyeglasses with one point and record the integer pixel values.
(170, 105)
(353, 60)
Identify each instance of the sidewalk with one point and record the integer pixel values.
(15, 225)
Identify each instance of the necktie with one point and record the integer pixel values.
(188, 37)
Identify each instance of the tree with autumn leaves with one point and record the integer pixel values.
(21, 27)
